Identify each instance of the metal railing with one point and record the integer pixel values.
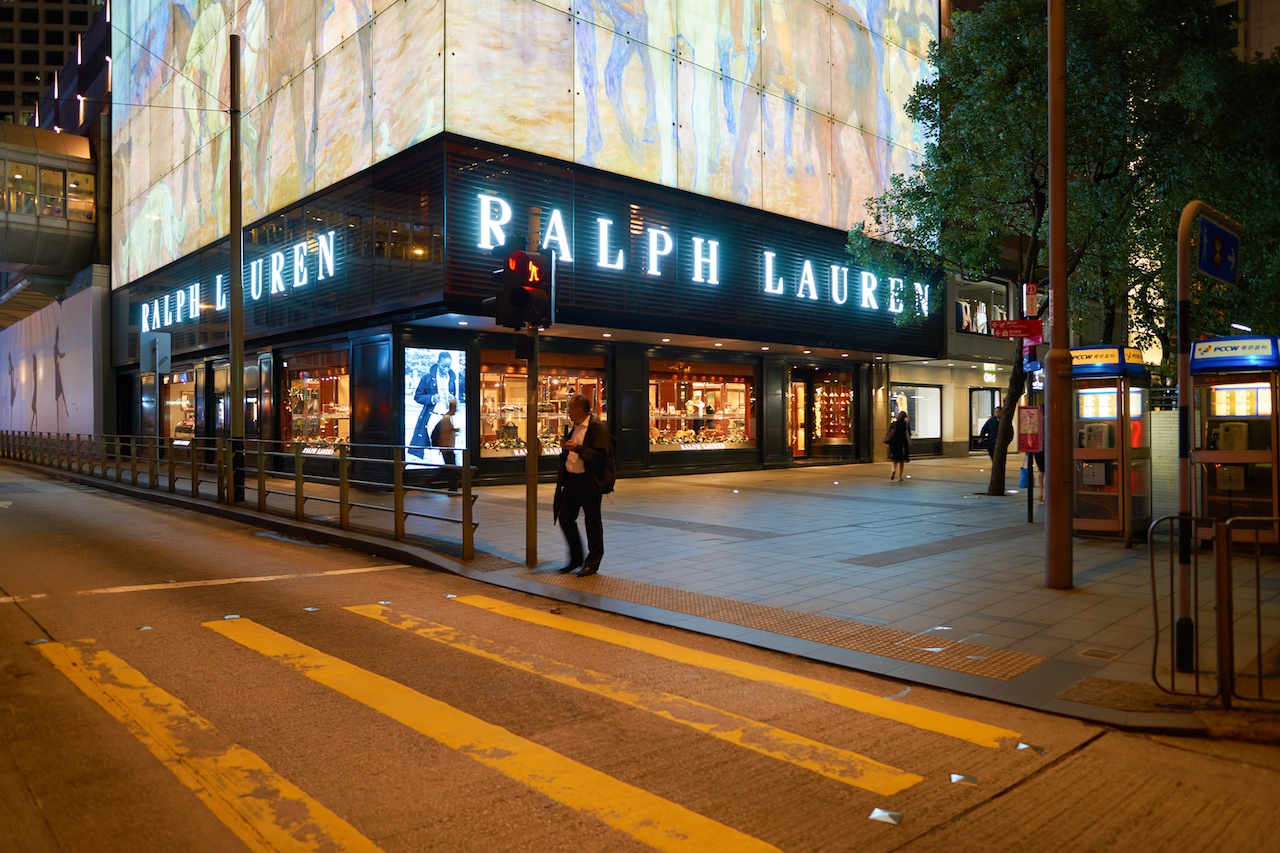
(283, 478)
(1234, 609)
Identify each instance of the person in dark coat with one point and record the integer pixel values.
(990, 430)
(437, 387)
(899, 446)
(586, 476)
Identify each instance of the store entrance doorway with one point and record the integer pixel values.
(800, 418)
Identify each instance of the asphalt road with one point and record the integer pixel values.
(169, 681)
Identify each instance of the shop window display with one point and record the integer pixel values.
(701, 406)
(504, 398)
(317, 412)
(833, 392)
(178, 394)
(923, 405)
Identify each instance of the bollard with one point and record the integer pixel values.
(397, 476)
(262, 478)
(468, 529)
(344, 489)
(299, 482)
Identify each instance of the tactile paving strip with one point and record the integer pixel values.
(969, 658)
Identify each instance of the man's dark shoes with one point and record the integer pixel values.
(588, 570)
(569, 568)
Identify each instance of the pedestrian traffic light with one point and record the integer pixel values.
(525, 293)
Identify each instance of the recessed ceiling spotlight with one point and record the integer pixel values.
(806, 352)
(666, 340)
(766, 349)
(844, 355)
(719, 345)
(608, 334)
(879, 358)
(462, 322)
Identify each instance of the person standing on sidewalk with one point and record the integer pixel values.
(990, 430)
(586, 476)
(899, 447)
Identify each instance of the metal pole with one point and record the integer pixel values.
(1226, 617)
(533, 448)
(533, 451)
(1058, 558)
(1184, 640)
(236, 294)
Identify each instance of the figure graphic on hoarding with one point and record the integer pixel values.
(13, 386)
(34, 391)
(630, 40)
(436, 389)
(444, 435)
(58, 355)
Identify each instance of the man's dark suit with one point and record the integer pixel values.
(584, 491)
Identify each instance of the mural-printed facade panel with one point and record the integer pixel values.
(793, 106)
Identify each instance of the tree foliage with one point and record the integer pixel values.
(1159, 112)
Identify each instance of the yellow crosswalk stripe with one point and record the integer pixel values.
(650, 819)
(830, 761)
(265, 810)
(982, 734)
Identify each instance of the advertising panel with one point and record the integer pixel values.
(435, 406)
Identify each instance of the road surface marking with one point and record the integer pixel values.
(13, 599)
(148, 587)
(972, 731)
(833, 762)
(265, 810)
(648, 818)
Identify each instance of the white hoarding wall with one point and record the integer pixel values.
(53, 363)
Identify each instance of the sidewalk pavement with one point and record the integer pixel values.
(927, 580)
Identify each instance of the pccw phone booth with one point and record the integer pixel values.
(1234, 438)
(1111, 393)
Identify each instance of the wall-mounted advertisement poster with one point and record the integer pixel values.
(435, 406)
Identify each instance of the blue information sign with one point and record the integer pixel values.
(1219, 255)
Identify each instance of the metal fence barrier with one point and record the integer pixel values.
(1234, 608)
(284, 476)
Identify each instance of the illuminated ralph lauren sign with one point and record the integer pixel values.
(871, 292)
(278, 272)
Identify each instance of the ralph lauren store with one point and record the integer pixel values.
(708, 335)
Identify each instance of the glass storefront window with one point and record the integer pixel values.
(504, 398)
(982, 405)
(20, 187)
(833, 392)
(435, 397)
(923, 405)
(53, 192)
(178, 405)
(978, 303)
(80, 188)
(317, 409)
(701, 406)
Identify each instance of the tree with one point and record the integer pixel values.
(1145, 98)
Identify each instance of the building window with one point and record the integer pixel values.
(6, 35)
(31, 57)
(78, 19)
(20, 187)
(6, 14)
(30, 99)
(6, 57)
(6, 98)
(54, 58)
(6, 74)
(55, 37)
(923, 405)
(701, 406)
(80, 186)
(53, 16)
(978, 303)
(53, 192)
(318, 410)
(30, 16)
(504, 398)
(30, 37)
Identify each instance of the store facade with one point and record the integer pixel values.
(710, 336)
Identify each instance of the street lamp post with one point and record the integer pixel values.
(236, 287)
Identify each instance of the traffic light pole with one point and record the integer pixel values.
(235, 295)
(533, 452)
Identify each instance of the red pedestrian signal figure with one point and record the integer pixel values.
(525, 297)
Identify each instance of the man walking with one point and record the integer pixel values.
(990, 429)
(586, 476)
